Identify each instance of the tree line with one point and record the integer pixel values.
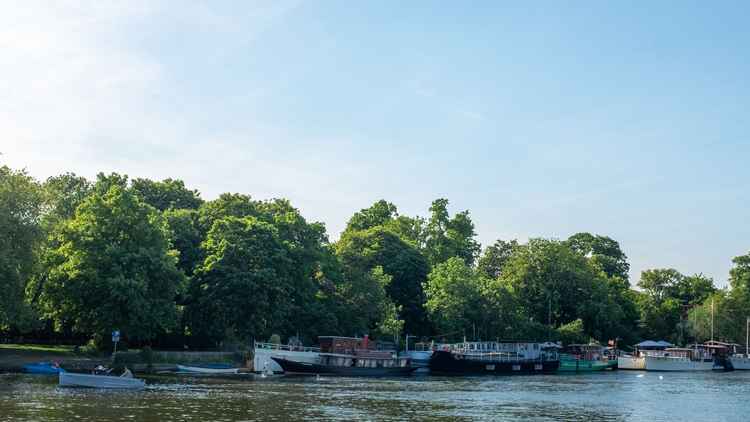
(79, 258)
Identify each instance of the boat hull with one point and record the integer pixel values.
(445, 363)
(204, 370)
(68, 379)
(631, 363)
(306, 368)
(667, 364)
(582, 365)
(740, 363)
(41, 368)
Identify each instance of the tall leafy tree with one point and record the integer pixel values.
(379, 214)
(448, 237)
(166, 194)
(21, 204)
(362, 251)
(242, 288)
(113, 267)
(605, 253)
(495, 257)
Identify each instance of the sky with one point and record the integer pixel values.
(628, 120)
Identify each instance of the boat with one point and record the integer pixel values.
(419, 355)
(480, 358)
(206, 369)
(43, 368)
(700, 357)
(350, 356)
(294, 351)
(585, 358)
(70, 379)
(350, 366)
(637, 360)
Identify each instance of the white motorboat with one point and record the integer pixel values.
(70, 379)
(637, 360)
(206, 370)
(265, 352)
(631, 362)
(740, 362)
(698, 358)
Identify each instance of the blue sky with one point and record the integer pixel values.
(543, 120)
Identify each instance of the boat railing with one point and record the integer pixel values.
(506, 357)
(286, 347)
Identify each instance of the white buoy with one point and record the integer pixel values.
(661, 377)
(639, 376)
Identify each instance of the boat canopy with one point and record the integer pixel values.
(650, 344)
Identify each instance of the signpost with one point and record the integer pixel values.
(115, 339)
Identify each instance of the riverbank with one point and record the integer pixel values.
(14, 356)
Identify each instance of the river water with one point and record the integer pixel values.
(606, 396)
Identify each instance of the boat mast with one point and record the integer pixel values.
(712, 320)
(747, 336)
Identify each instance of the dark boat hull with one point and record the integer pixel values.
(292, 367)
(445, 363)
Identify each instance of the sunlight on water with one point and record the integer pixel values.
(611, 396)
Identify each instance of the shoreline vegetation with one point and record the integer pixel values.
(80, 258)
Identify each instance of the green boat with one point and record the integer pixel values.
(585, 358)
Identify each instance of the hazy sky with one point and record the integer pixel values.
(543, 120)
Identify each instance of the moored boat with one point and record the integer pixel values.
(43, 368)
(350, 356)
(71, 379)
(703, 357)
(206, 369)
(584, 358)
(637, 360)
(295, 351)
(479, 358)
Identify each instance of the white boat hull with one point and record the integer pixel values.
(631, 362)
(201, 370)
(740, 363)
(262, 362)
(668, 363)
(68, 379)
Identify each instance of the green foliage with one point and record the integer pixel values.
(113, 268)
(379, 214)
(447, 237)
(572, 333)
(605, 253)
(167, 194)
(362, 251)
(186, 237)
(21, 203)
(493, 260)
(244, 284)
(455, 299)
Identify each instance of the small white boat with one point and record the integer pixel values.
(203, 370)
(69, 379)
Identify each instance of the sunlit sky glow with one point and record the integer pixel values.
(543, 118)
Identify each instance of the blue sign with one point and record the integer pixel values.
(115, 336)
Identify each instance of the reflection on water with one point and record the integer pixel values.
(609, 396)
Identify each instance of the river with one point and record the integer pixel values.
(607, 396)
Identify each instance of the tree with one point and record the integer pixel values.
(186, 237)
(493, 260)
(113, 268)
(448, 237)
(169, 193)
(378, 214)
(739, 275)
(63, 194)
(553, 281)
(661, 283)
(454, 298)
(361, 251)
(21, 202)
(604, 252)
(243, 285)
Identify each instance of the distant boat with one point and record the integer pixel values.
(479, 358)
(70, 379)
(584, 358)
(43, 368)
(207, 369)
(704, 357)
(349, 366)
(637, 360)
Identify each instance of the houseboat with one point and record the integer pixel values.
(419, 355)
(585, 358)
(700, 357)
(495, 358)
(637, 360)
(350, 356)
